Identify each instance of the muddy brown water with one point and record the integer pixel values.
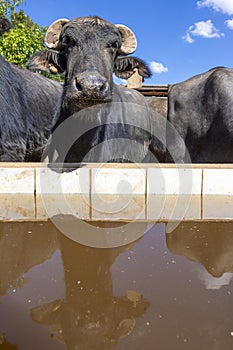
(163, 291)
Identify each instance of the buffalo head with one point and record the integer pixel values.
(89, 50)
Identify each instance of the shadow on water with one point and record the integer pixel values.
(162, 291)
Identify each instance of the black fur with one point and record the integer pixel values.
(28, 101)
(201, 109)
(41, 61)
(88, 51)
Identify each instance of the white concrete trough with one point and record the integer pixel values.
(117, 192)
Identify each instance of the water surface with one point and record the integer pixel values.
(163, 291)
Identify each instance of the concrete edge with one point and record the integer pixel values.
(117, 192)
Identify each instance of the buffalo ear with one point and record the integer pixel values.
(124, 67)
(47, 61)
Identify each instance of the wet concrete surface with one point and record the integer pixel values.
(163, 291)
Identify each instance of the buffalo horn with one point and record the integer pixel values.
(53, 33)
(129, 41)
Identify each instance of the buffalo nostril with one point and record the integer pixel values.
(78, 85)
(103, 87)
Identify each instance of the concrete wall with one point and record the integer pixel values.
(113, 192)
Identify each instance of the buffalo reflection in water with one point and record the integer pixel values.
(22, 246)
(90, 316)
(208, 243)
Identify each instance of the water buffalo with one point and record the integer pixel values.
(201, 110)
(110, 122)
(27, 103)
(158, 104)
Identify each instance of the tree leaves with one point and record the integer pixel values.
(23, 40)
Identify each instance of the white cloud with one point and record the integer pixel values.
(204, 29)
(214, 283)
(229, 23)
(225, 6)
(157, 67)
(187, 37)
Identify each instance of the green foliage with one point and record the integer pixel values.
(8, 7)
(23, 40)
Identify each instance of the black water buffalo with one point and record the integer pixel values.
(105, 115)
(158, 104)
(27, 103)
(201, 110)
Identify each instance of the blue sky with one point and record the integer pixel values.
(177, 38)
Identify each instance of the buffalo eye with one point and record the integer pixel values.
(113, 45)
(67, 41)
